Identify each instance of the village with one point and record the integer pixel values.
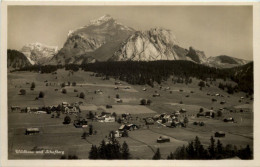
(89, 110)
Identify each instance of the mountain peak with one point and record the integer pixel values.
(101, 20)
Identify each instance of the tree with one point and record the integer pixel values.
(93, 154)
(114, 115)
(22, 92)
(64, 91)
(74, 83)
(201, 110)
(119, 120)
(211, 148)
(82, 95)
(190, 150)
(90, 115)
(201, 84)
(125, 151)
(219, 113)
(157, 155)
(143, 102)
(67, 120)
(63, 85)
(219, 150)
(32, 86)
(90, 130)
(41, 94)
(186, 121)
(149, 102)
(117, 96)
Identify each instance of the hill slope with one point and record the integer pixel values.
(16, 59)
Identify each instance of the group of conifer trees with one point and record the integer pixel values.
(110, 150)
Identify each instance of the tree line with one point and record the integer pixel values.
(216, 150)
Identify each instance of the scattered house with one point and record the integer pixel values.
(41, 112)
(242, 97)
(98, 92)
(149, 121)
(132, 127)
(122, 128)
(144, 89)
(163, 139)
(176, 113)
(230, 119)
(209, 114)
(108, 106)
(16, 108)
(70, 110)
(116, 88)
(118, 134)
(201, 114)
(109, 119)
(127, 87)
(64, 104)
(118, 83)
(80, 123)
(182, 110)
(31, 131)
(217, 94)
(119, 100)
(222, 102)
(156, 95)
(157, 116)
(220, 134)
(168, 88)
(31, 109)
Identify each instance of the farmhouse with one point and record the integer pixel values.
(109, 119)
(230, 119)
(80, 123)
(31, 109)
(149, 121)
(16, 108)
(163, 139)
(31, 131)
(156, 95)
(70, 110)
(220, 134)
(119, 100)
(209, 114)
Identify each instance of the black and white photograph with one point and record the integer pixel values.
(130, 82)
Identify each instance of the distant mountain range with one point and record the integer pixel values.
(38, 53)
(105, 39)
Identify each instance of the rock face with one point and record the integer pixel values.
(96, 41)
(38, 53)
(197, 56)
(224, 61)
(155, 44)
(16, 59)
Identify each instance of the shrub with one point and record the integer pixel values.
(75, 90)
(117, 96)
(143, 102)
(41, 94)
(32, 86)
(67, 120)
(63, 85)
(22, 92)
(74, 83)
(64, 91)
(82, 95)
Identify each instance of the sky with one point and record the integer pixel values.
(216, 30)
